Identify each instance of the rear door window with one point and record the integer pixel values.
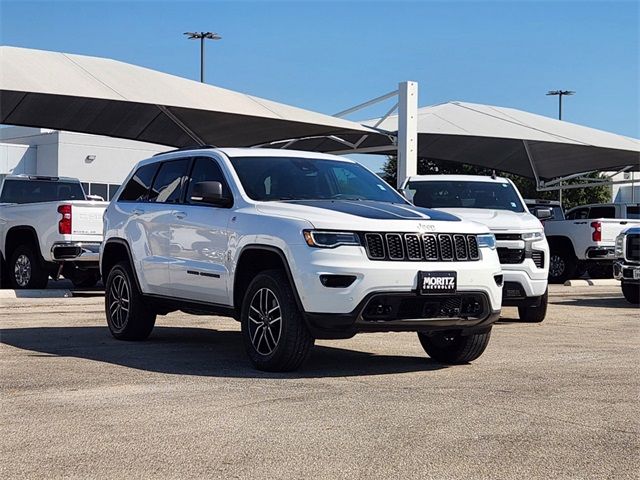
(137, 189)
(167, 186)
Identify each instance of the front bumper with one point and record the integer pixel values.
(628, 272)
(343, 307)
(407, 312)
(76, 252)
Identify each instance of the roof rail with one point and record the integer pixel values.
(191, 147)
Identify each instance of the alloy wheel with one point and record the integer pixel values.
(265, 321)
(556, 266)
(22, 270)
(119, 299)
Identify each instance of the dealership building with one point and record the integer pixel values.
(101, 163)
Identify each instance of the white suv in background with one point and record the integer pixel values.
(496, 202)
(296, 246)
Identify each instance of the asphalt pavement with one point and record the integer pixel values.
(553, 400)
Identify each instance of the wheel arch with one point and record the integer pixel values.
(256, 258)
(115, 250)
(561, 242)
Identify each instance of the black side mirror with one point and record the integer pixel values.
(543, 213)
(208, 192)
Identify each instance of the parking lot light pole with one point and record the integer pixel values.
(560, 94)
(202, 36)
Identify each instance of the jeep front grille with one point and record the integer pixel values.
(430, 247)
(633, 248)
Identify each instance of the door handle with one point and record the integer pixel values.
(137, 211)
(179, 215)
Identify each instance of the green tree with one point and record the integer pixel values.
(527, 186)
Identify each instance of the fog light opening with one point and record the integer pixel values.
(337, 281)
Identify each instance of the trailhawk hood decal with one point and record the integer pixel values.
(377, 210)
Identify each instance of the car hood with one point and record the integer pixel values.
(368, 216)
(498, 220)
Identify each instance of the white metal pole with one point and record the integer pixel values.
(407, 130)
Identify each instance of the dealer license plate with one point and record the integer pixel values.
(437, 282)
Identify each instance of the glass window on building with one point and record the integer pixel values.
(112, 191)
(99, 189)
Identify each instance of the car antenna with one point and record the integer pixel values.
(493, 174)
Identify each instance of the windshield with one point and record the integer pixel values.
(34, 191)
(464, 194)
(290, 178)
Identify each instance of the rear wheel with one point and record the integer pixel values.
(128, 317)
(631, 292)
(562, 266)
(274, 333)
(454, 348)
(25, 270)
(535, 313)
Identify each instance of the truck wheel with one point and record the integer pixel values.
(562, 266)
(273, 330)
(453, 347)
(25, 270)
(128, 317)
(535, 313)
(631, 292)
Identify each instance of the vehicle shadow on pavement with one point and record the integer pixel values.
(201, 352)
(606, 302)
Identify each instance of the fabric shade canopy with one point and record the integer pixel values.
(106, 97)
(498, 138)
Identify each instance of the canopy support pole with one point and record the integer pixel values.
(181, 125)
(539, 185)
(407, 131)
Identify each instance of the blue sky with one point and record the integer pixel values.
(328, 56)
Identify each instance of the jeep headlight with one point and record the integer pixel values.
(533, 236)
(487, 240)
(328, 239)
(619, 246)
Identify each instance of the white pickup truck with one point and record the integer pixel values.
(585, 240)
(496, 203)
(48, 227)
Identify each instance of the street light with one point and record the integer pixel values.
(560, 93)
(202, 36)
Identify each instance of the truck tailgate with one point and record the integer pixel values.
(87, 218)
(611, 228)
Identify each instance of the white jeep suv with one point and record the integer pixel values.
(296, 246)
(496, 202)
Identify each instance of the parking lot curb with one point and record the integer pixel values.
(52, 293)
(603, 282)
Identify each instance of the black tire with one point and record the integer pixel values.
(25, 270)
(631, 292)
(453, 347)
(600, 270)
(562, 266)
(86, 280)
(274, 345)
(535, 313)
(128, 317)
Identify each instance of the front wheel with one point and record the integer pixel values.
(562, 266)
(535, 313)
(631, 292)
(454, 348)
(128, 317)
(274, 333)
(25, 270)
